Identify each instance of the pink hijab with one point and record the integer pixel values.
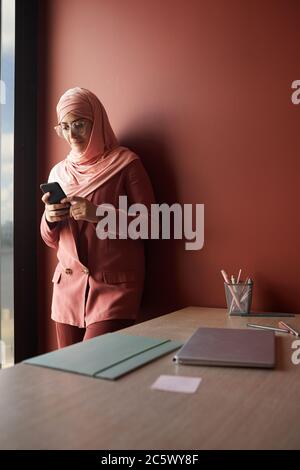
(81, 173)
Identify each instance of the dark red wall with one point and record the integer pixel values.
(201, 90)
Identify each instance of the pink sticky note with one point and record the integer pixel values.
(176, 383)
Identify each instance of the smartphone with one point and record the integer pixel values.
(55, 190)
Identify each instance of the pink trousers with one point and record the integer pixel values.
(69, 334)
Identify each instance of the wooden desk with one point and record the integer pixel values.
(234, 408)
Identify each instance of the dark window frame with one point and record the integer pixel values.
(25, 177)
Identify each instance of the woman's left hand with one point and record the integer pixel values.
(82, 209)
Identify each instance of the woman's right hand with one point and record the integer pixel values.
(55, 212)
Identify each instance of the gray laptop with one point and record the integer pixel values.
(228, 347)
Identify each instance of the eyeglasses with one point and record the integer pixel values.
(79, 127)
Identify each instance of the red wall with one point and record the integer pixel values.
(201, 90)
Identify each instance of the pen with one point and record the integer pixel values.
(235, 290)
(264, 327)
(289, 328)
(245, 290)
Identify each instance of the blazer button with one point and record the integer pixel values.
(86, 271)
(68, 271)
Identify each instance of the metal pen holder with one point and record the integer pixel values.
(238, 297)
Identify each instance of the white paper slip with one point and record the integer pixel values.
(176, 383)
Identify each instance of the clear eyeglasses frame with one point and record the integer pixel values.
(79, 128)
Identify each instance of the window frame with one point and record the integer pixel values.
(25, 180)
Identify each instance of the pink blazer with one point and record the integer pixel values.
(99, 279)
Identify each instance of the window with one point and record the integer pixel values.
(6, 178)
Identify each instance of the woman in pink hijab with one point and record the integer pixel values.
(98, 283)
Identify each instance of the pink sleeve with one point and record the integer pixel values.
(50, 234)
(139, 190)
(138, 185)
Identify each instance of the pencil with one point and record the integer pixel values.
(265, 327)
(230, 288)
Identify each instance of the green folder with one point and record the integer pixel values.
(106, 357)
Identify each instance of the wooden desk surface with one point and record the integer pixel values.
(233, 408)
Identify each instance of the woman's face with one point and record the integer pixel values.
(77, 134)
